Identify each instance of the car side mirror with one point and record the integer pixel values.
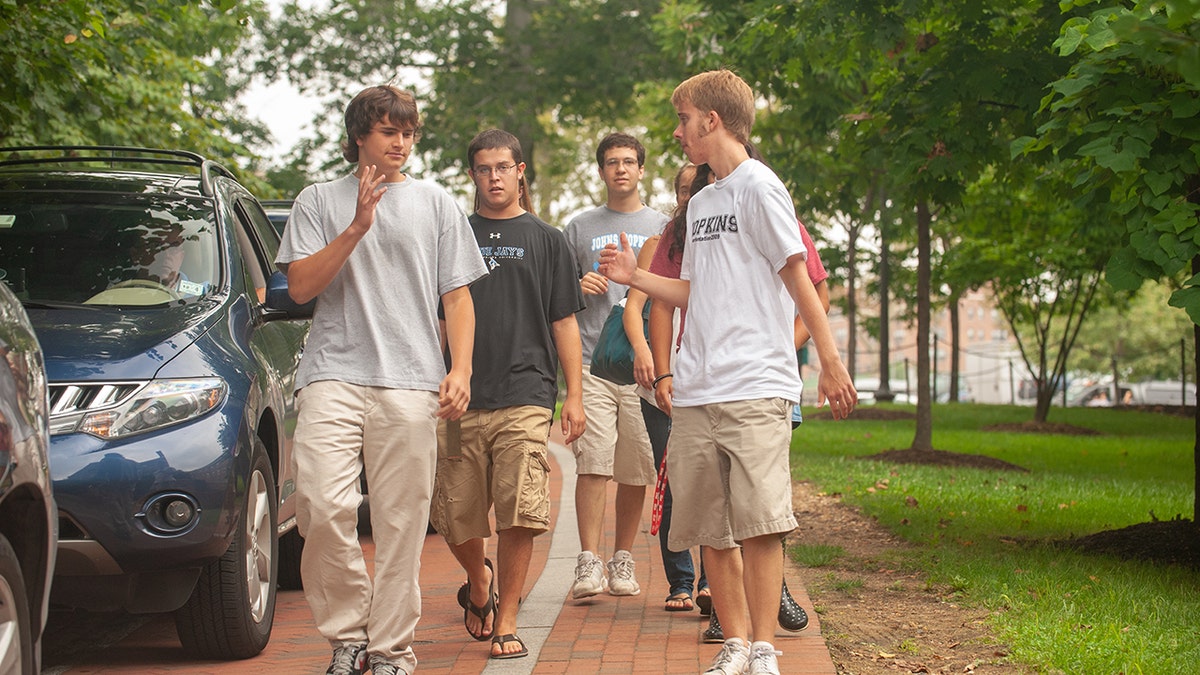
(280, 302)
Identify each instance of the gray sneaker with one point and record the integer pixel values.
(621, 579)
(589, 576)
(349, 658)
(732, 658)
(380, 666)
(763, 659)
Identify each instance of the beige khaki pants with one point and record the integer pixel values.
(342, 429)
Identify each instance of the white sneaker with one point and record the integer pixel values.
(762, 659)
(732, 658)
(621, 580)
(589, 576)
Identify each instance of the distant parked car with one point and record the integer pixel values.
(1155, 392)
(171, 348)
(28, 516)
(1163, 392)
(278, 211)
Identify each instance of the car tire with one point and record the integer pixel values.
(291, 548)
(364, 507)
(232, 609)
(16, 629)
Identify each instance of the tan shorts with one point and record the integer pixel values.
(492, 457)
(730, 473)
(615, 444)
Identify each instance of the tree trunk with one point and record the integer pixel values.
(923, 439)
(885, 393)
(852, 301)
(1196, 445)
(1116, 372)
(522, 115)
(954, 347)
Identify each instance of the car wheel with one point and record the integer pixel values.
(291, 548)
(232, 608)
(16, 632)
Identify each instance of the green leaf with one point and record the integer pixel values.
(1023, 144)
(1121, 270)
(1188, 64)
(1158, 182)
(1073, 33)
(1186, 107)
(1071, 86)
(1189, 299)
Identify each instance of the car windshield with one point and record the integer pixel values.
(118, 254)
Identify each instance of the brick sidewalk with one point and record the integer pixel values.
(600, 635)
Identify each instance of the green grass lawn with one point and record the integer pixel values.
(991, 535)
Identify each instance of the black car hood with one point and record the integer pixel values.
(110, 343)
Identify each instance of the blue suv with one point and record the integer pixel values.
(171, 347)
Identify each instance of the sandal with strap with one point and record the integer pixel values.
(506, 638)
(679, 602)
(704, 601)
(488, 608)
(464, 591)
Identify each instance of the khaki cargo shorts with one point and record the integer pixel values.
(492, 457)
(615, 444)
(730, 473)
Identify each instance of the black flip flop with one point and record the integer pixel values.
(704, 601)
(683, 597)
(509, 637)
(489, 607)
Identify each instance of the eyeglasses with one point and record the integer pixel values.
(500, 170)
(627, 162)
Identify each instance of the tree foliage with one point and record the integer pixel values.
(542, 70)
(1122, 124)
(137, 72)
(1044, 258)
(1136, 334)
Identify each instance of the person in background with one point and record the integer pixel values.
(379, 249)
(679, 566)
(616, 446)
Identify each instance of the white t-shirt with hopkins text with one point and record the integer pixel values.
(739, 341)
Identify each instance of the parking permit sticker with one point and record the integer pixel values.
(7, 221)
(190, 288)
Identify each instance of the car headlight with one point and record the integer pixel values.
(159, 404)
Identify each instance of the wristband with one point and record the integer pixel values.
(660, 378)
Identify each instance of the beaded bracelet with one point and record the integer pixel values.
(660, 378)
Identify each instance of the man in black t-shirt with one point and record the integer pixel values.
(525, 329)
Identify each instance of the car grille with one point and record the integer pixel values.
(70, 402)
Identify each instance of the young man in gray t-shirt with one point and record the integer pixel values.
(616, 445)
(378, 250)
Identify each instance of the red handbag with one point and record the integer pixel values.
(660, 491)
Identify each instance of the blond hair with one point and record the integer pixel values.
(722, 92)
